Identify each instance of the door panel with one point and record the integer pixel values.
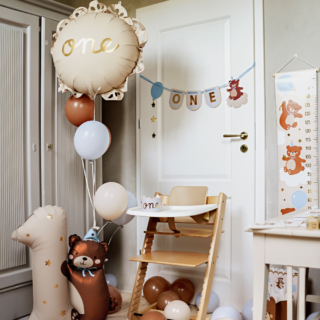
(195, 45)
(19, 152)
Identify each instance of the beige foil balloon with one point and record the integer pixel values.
(45, 232)
(97, 50)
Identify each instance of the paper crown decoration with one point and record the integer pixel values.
(151, 204)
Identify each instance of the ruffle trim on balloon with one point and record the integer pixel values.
(120, 12)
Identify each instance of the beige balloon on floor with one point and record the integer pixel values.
(177, 310)
(97, 50)
(45, 232)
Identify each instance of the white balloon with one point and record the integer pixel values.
(247, 310)
(214, 301)
(91, 140)
(177, 310)
(110, 200)
(313, 315)
(111, 280)
(126, 218)
(226, 312)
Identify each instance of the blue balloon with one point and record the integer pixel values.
(111, 279)
(312, 315)
(285, 83)
(294, 288)
(156, 90)
(214, 301)
(299, 199)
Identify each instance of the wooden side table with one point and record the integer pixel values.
(292, 247)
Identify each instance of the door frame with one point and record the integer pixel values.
(259, 100)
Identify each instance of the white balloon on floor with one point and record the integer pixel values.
(177, 310)
(247, 310)
(226, 312)
(313, 315)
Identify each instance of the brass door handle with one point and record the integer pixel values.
(243, 135)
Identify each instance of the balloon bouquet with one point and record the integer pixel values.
(95, 51)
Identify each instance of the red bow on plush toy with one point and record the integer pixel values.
(88, 292)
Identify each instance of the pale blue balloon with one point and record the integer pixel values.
(126, 218)
(156, 90)
(299, 199)
(226, 312)
(294, 288)
(214, 301)
(111, 279)
(313, 315)
(247, 310)
(285, 83)
(91, 140)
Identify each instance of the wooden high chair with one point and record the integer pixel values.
(186, 196)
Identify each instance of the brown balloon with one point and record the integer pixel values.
(80, 110)
(154, 287)
(184, 288)
(115, 299)
(165, 298)
(153, 315)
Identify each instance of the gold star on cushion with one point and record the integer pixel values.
(153, 104)
(55, 286)
(153, 119)
(154, 135)
(299, 140)
(282, 189)
(61, 238)
(44, 302)
(63, 313)
(28, 235)
(48, 263)
(50, 216)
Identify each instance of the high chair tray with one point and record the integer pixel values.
(173, 211)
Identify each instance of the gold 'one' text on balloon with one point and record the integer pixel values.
(105, 43)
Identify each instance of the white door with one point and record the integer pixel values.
(62, 178)
(19, 154)
(194, 45)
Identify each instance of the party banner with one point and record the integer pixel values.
(194, 100)
(297, 118)
(213, 97)
(176, 99)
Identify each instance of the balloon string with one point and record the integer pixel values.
(114, 234)
(85, 175)
(93, 191)
(94, 104)
(103, 226)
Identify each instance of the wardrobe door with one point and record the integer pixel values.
(19, 154)
(62, 177)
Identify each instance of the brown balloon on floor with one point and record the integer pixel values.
(165, 298)
(153, 315)
(115, 299)
(80, 110)
(154, 287)
(184, 288)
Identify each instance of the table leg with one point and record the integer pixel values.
(289, 293)
(302, 294)
(260, 278)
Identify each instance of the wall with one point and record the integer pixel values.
(291, 26)
(119, 163)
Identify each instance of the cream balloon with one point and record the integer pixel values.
(177, 310)
(110, 200)
(97, 50)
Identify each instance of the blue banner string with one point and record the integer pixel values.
(220, 87)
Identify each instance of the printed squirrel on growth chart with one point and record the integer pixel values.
(289, 114)
(293, 161)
